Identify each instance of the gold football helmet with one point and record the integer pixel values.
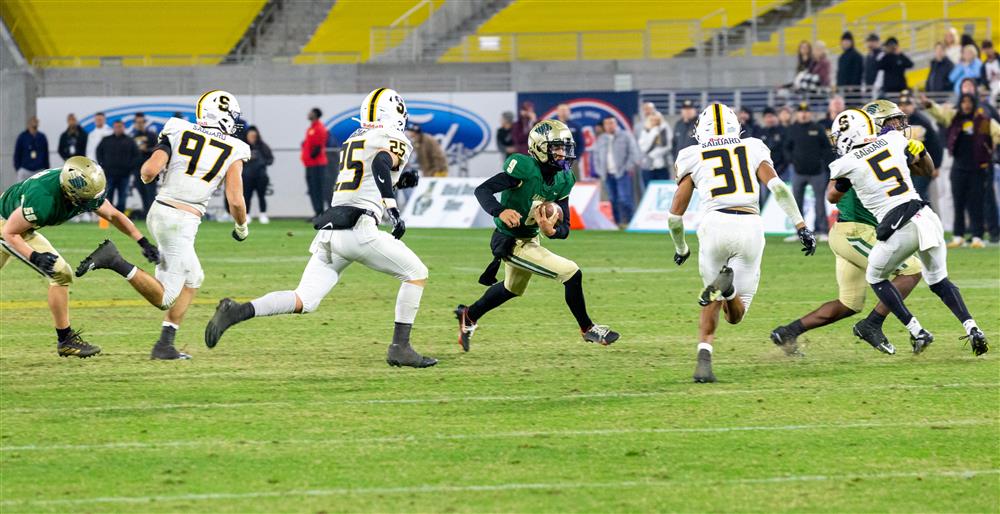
(886, 114)
(546, 137)
(83, 182)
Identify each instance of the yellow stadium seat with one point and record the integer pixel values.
(591, 29)
(347, 32)
(85, 33)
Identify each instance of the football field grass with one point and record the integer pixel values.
(301, 413)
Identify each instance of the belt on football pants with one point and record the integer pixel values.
(734, 211)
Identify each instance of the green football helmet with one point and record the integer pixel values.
(546, 137)
(886, 115)
(83, 182)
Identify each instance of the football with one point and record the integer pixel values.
(547, 209)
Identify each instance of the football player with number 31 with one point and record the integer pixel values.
(195, 159)
(877, 167)
(726, 169)
(370, 164)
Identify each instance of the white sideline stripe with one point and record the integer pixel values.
(492, 398)
(215, 443)
(429, 488)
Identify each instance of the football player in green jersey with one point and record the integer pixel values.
(851, 239)
(50, 198)
(526, 183)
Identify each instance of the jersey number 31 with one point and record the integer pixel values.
(725, 169)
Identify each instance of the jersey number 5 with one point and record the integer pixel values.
(725, 169)
(875, 162)
(194, 152)
(348, 162)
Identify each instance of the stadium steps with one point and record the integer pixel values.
(282, 28)
(444, 29)
(737, 38)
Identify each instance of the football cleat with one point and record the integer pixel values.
(601, 334)
(873, 335)
(101, 258)
(703, 371)
(783, 338)
(921, 341)
(404, 355)
(720, 288)
(226, 315)
(167, 352)
(74, 345)
(978, 340)
(465, 327)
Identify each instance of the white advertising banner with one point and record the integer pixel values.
(445, 203)
(651, 216)
(464, 124)
(585, 200)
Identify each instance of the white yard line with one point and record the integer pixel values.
(482, 398)
(434, 488)
(274, 443)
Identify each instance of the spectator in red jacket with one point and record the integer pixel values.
(314, 159)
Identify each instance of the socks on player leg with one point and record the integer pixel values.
(875, 318)
(407, 302)
(494, 297)
(796, 328)
(167, 334)
(576, 302)
(401, 334)
(63, 333)
(890, 296)
(123, 267)
(948, 292)
(277, 302)
(704, 346)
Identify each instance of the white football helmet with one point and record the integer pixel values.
(851, 129)
(384, 107)
(717, 120)
(218, 109)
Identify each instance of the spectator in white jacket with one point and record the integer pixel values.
(655, 137)
(100, 131)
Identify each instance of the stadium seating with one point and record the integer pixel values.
(58, 33)
(346, 34)
(539, 30)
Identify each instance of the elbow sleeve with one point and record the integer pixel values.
(785, 200)
(382, 170)
(676, 225)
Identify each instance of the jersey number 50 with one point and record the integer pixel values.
(725, 169)
(194, 152)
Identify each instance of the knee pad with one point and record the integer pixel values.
(309, 303)
(62, 275)
(418, 273)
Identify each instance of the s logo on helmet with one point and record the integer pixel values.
(157, 114)
(461, 133)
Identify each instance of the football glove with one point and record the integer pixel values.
(808, 241)
(398, 227)
(149, 251)
(241, 232)
(407, 179)
(681, 259)
(44, 261)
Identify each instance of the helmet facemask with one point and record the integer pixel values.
(552, 149)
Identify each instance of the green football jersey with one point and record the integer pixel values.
(41, 200)
(533, 190)
(851, 210)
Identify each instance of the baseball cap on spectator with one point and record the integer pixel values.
(872, 37)
(803, 106)
(688, 104)
(987, 44)
(892, 41)
(769, 110)
(847, 35)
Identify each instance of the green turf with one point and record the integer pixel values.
(301, 413)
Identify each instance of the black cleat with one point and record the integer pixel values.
(978, 340)
(601, 334)
(703, 372)
(921, 341)
(783, 338)
(873, 335)
(74, 345)
(167, 352)
(101, 258)
(719, 289)
(226, 315)
(465, 327)
(400, 355)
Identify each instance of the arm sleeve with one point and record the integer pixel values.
(785, 200)
(676, 225)
(562, 228)
(493, 185)
(382, 170)
(164, 144)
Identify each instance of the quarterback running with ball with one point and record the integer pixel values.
(526, 185)
(195, 159)
(725, 169)
(370, 164)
